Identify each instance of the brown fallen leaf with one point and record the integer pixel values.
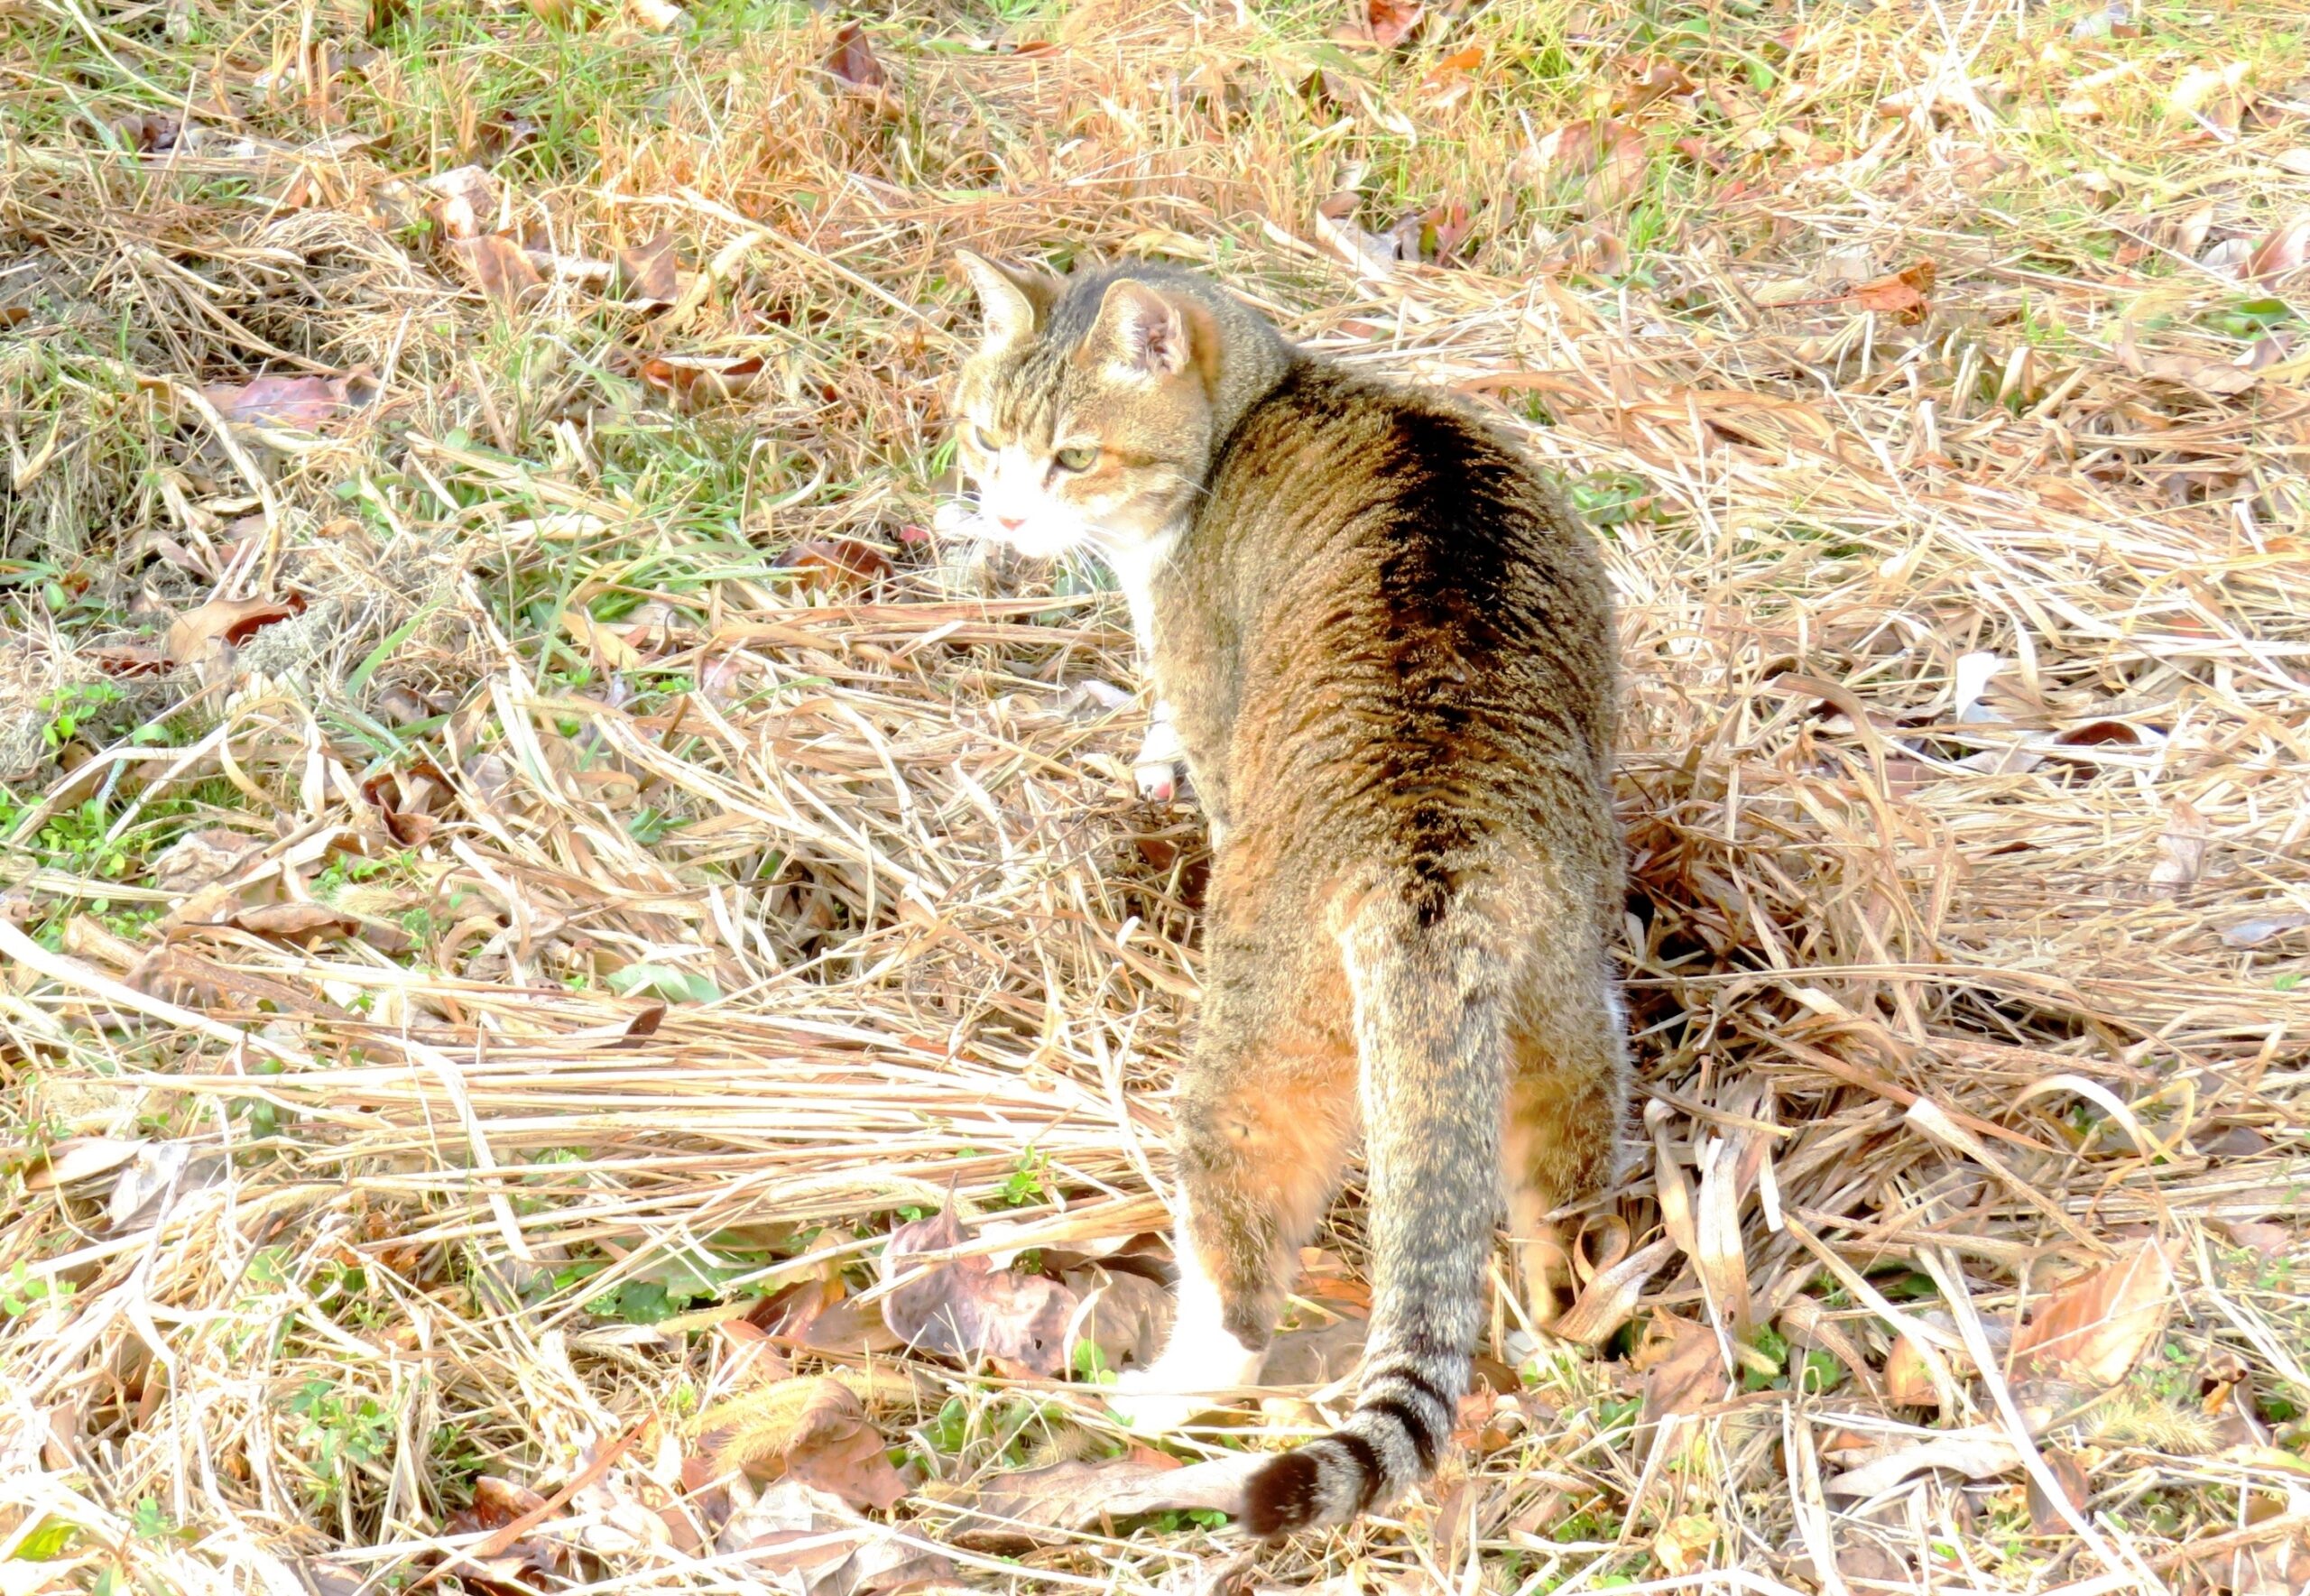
(814, 1543)
(809, 1429)
(294, 922)
(465, 200)
(2045, 1518)
(1603, 164)
(1908, 1381)
(1683, 1369)
(308, 403)
(1980, 1452)
(1126, 1316)
(2181, 849)
(523, 1566)
(1647, 79)
(412, 801)
(2282, 254)
(2094, 1329)
(967, 1309)
(1382, 24)
(2216, 379)
(647, 274)
(1034, 1507)
(695, 382)
(199, 857)
(1432, 235)
(1903, 295)
(1315, 1355)
(1608, 1300)
(501, 268)
(1686, 1542)
(835, 565)
(1451, 79)
(205, 633)
(853, 61)
(80, 1157)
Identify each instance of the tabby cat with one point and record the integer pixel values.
(1385, 646)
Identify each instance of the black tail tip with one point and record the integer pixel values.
(1283, 1497)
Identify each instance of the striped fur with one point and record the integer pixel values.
(1385, 643)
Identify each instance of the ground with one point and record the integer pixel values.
(532, 847)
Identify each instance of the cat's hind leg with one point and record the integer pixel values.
(1568, 1094)
(1265, 1112)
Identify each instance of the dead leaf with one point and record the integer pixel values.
(1909, 1380)
(814, 1430)
(1368, 253)
(647, 274)
(694, 382)
(2215, 95)
(199, 857)
(307, 403)
(659, 16)
(525, 1564)
(1605, 163)
(2215, 378)
(851, 60)
(501, 268)
(2094, 1329)
(412, 801)
(1316, 1355)
(1610, 1298)
(1686, 1542)
(294, 921)
(968, 1309)
(465, 201)
(816, 1543)
(2258, 1235)
(1647, 79)
(1451, 80)
(80, 1157)
(204, 633)
(1045, 1505)
(1982, 1452)
(1683, 1369)
(1903, 295)
(835, 565)
(129, 660)
(1126, 1316)
(1431, 235)
(1384, 23)
(605, 642)
(2282, 254)
(2045, 1518)
(2181, 849)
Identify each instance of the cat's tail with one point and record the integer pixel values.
(1429, 1003)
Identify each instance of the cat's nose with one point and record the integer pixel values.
(1009, 524)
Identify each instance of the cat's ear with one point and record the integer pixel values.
(1013, 302)
(1139, 330)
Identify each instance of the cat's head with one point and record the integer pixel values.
(1087, 412)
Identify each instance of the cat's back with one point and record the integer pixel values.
(1401, 576)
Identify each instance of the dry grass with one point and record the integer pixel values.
(1945, 991)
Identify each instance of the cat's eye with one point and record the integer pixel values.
(1082, 457)
(982, 439)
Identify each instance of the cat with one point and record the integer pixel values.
(1385, 646)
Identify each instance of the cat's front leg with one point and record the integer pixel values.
(1157, 769)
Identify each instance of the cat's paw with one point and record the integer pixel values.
(1141, 1402)
(1156, 768)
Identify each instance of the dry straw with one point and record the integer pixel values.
(1965, 786)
